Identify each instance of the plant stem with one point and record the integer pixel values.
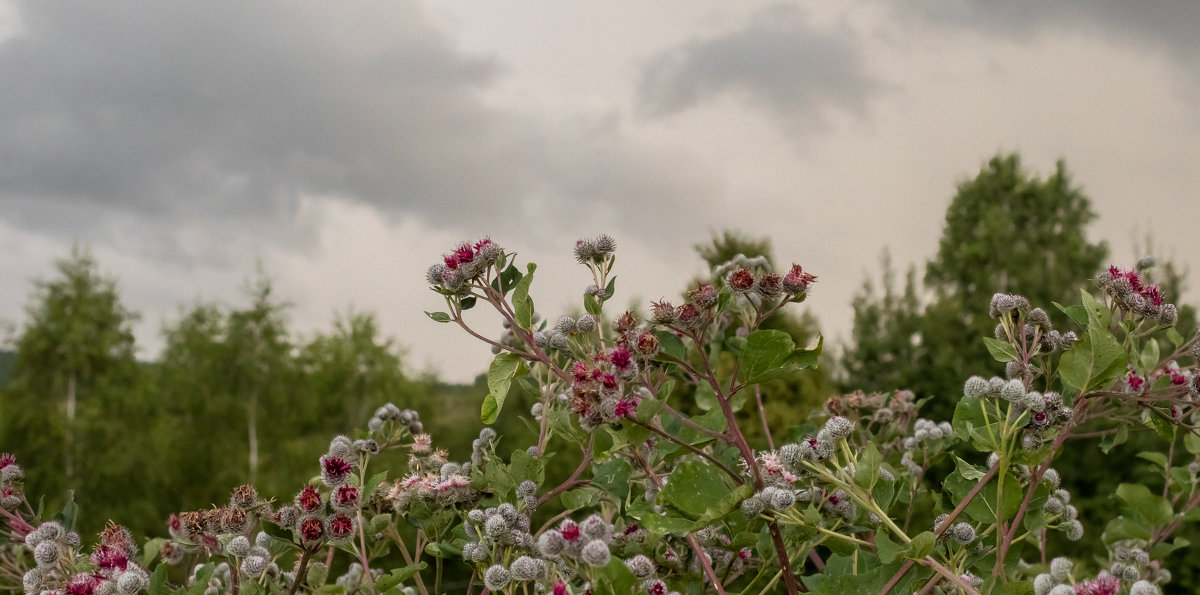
(300, 570)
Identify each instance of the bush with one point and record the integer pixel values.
(868, 498)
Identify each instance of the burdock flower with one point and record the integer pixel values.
(647, 344)
(345, 498)
(341, 528)
(312, 530)
(495, 578)
(689, 316)
(769, 285)
(796, 281)
(308, 500)
(620, 358)
(663, 312)
(740, 281)
(705, 296)
(334, 470)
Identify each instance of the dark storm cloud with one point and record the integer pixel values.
(182, 112)
(779, 62)
(1172, 26)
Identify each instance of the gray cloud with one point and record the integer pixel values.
(228, 112)
(1172, 26)
(778, 62)
(197, 131)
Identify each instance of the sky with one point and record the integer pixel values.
(343, 149)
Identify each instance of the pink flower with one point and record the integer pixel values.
(335, 468)
(308, 499)
(620, 357)
(312, 530)
(341, 526)
(626, 407)
(7, 459)
(1105, 585)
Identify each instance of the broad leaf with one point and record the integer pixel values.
(500, 377)
(522, 303)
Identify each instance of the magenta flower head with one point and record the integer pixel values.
(109, 558)
(1105, 585)
(312, 530)
(741, 280)
(309, 499)
(334, 470)
(797, 281)
(620, 357)
(341, 528)
(345, 497)
(7, 459)
(626, 407)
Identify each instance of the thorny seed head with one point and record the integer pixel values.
(740, 280)
(705, 296)
(495, 578)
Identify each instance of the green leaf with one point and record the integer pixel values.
(727, 504)
(200, 583)
(766, 351)
(500, 377)
(920, 546)
(508, 279)
(158, 581)
(693, 487)
(1094, 361)
(663, 524)
(1002, 351)
(1148, 360)
(671, 345)
(523, 467)
(610, 289)
(771, 354)
(579, 498)
(1113, 440)
(522, 303)
(982, 508)
(613, 477)
(1157, 458)
(373, 483)
(1191, 442)
(1174, 337)
(1098, 315)
(151, 550)
(1139, 502)
(399, 575)
(1122, 528)
(1077, 313)
(467, 303)
(967, 470)
(70, 512)
(1163, 427)
(616, 579)
(967, 415)
(866, 472)
(888, 549)
(438, 316)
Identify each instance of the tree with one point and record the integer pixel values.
(77, 342)
(78, 400)
(1006, 230)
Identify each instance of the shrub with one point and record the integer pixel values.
(870, 497)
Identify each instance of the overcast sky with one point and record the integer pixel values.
(347, 146)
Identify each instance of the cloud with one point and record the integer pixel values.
(778, 62)
(227, 113)
(1171, 26)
